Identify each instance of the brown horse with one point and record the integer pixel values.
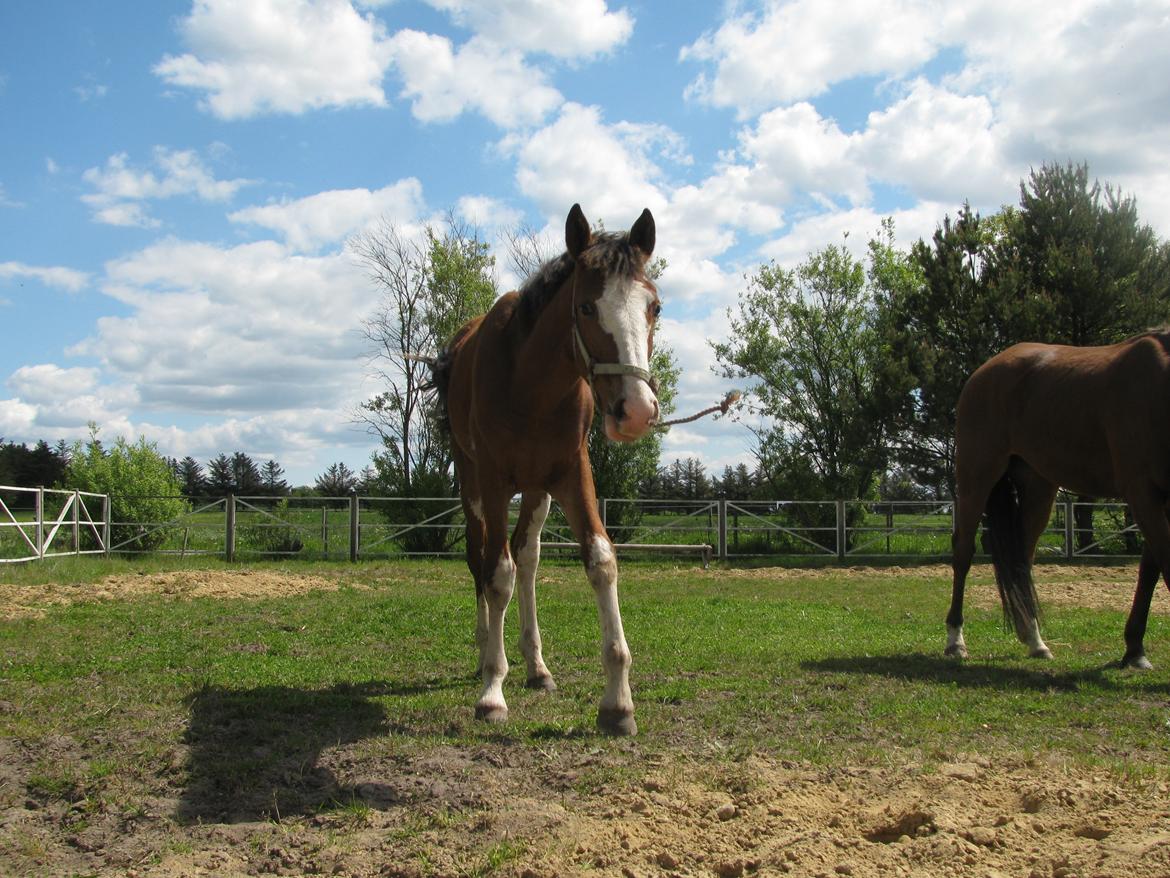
(519, 386)
(1094, 420)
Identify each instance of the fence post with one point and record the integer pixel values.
(40, 523)
(354, 529)
(229, 544)
(840, 530)
(1069, 531)
(722, 506)
(76, 523)
(107, 515)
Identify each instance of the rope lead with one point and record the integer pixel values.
(728, 402)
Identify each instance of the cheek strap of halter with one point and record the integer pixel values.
(594, 368)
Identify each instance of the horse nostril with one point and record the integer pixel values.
(619, 410)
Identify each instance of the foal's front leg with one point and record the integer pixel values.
(615, 716)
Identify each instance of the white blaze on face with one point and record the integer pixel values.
(621, 312)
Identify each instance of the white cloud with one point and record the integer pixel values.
(442, 81)
(5, 201)
(935, 143)
(240, 330)
(268, 56)
(17, 419)
(48, 382)
(121, 189)
(562, 28)
(797, 50)
(54, 276)
(853, 228)
(578, 158)
(330, 217)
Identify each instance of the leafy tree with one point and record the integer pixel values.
(941, 319)
(143, 491)
(1093, 272)
(809, 340)
(1070, 265)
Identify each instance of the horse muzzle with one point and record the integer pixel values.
(632, 416)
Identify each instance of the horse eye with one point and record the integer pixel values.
(657, 309)
(588, 309)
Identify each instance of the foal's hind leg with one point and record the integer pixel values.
(499, 578)
(526, 551)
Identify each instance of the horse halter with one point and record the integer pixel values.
(593, 368)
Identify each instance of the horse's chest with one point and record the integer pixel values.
(531, 455)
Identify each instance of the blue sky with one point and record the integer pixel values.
(178, 179)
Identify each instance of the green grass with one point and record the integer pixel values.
(825, 669)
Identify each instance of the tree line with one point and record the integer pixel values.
(852, 364)
(855, 364)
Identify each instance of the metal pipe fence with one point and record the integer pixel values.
(38, 523)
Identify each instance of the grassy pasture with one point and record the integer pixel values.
(214, 710)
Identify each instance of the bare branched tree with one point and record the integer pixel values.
(430, 285)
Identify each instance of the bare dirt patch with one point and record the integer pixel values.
(1094, 587)
(515, 810)
(34, 600)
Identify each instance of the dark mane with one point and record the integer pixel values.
(610, 252)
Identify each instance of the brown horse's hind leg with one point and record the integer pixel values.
(1139, 613)
(474, 535)
(526, 551)
(1036, 496)
(968, 511)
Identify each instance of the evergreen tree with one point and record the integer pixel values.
(189, 473)
(338, 480)
(272, 479)
(220, 478)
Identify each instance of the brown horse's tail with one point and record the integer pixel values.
(1004, 541)
(441, 382)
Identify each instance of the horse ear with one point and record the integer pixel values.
(642, 232)
(577, 233)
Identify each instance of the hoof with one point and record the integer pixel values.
(1137, 662)
(1042, 653)
(956, 651)
(619, 723)
(493, 714)
(545, 683)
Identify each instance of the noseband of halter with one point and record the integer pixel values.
(594, 368)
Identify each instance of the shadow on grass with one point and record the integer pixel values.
(254, 753)
(947, 671)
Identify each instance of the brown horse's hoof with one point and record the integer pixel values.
(619, 723)
(493, 714)
(545, 683)
(1138, 662)
(956, 651)
(1042, 653)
